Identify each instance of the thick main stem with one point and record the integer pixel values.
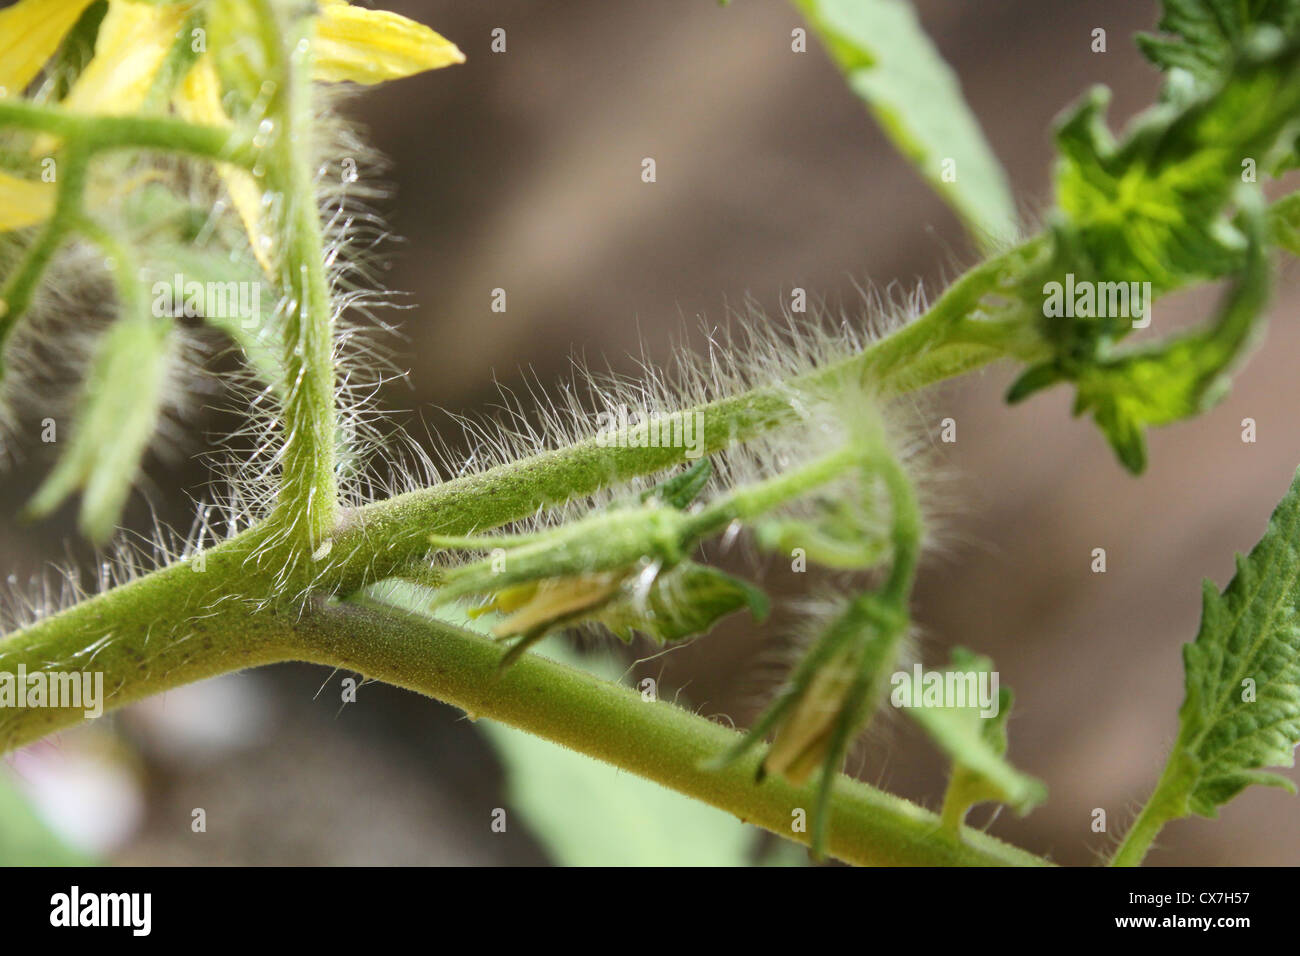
(659, 740)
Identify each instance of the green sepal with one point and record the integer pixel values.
(685, 602)
(682, 489)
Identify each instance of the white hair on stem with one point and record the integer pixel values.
(746, 350)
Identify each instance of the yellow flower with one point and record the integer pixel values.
(30, 32)
(351, 44)
(23, 202)
(132, 43)
(371, 46)
(199, 101)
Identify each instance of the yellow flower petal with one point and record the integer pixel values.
(133, 42)
(24, 202)
(30, 33)
(371, 46)
(198, 100)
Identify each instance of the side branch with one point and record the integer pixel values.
(161, 133)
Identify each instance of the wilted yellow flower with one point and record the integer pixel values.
(803, 740)
(553, 601)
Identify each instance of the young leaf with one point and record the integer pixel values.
(1162, 208)
(1155, 207)
(1204, 36)
(220, 294)
(976, 743)
(123, 399)
(891, 65)
(1177, 378)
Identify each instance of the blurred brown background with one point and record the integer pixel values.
(522, 171)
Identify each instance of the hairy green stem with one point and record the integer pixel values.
(178, 61)
(229, 608)
(156, 133)
(383, 538)
(1167, 802)
(16, 295)
(881, 653)
(307, 508)
(659, 741)
(752, 501)
(952, 815)
(165, 629)
(905, 533)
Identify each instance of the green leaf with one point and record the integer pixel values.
(25, 840)
(120, 408)
(976, 743)
(684, 602)
(891, 64)
(187, 250)
(1203, 37)
(1284, 223)
(1157, 206)
(1164, 207)
(1241, 712)
(1176, 378)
